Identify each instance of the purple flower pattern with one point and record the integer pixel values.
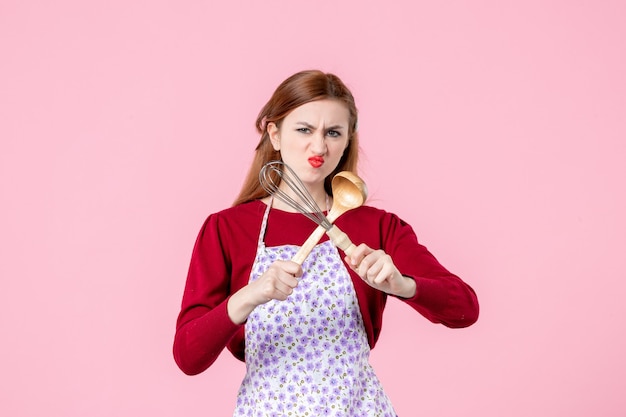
(309, 355)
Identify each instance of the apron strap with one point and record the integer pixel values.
(260, 242)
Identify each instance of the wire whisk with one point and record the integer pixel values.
(349, 192)
(274, 173)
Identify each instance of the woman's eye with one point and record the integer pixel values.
(304, 130)
(333, 133)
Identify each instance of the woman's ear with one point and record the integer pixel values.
(274, 134)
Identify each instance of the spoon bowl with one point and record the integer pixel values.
(349, 192)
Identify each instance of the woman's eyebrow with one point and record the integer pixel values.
(305, 124)
(310, 126)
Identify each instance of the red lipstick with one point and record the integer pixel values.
(316, 161)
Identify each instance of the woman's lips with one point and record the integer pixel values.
(316, 161)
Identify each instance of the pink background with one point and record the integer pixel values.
(497, 130)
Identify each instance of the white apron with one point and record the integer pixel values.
(309, 355)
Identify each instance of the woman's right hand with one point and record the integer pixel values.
(276, 283)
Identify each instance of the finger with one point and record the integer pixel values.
(278, 281)
(289, 275)
(358, 254)
(367, 263)
(274, 289)
(362, 268)
(290, 268)
(374, 271)
(288, 280)
(384, 273)
(283, 290)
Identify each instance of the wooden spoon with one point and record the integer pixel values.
(349, 192)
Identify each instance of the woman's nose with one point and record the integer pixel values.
(319, 144)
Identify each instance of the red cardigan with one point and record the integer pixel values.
(225, 250)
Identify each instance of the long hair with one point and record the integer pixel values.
(300, 88)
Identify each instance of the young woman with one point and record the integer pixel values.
(306, 332)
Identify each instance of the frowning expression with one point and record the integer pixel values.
(312, 138)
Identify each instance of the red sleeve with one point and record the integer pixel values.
(203, 327)
(441, 296)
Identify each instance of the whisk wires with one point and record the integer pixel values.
(274, 173)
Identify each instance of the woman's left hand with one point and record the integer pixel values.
(377, 269)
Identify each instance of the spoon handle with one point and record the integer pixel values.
(336, 235)
(341, 240)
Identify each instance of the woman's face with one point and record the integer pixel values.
(312, 138)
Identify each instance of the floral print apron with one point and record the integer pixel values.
(309, 355)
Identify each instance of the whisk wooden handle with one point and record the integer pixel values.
(308, 246)
(336, 235)
(341, 240)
